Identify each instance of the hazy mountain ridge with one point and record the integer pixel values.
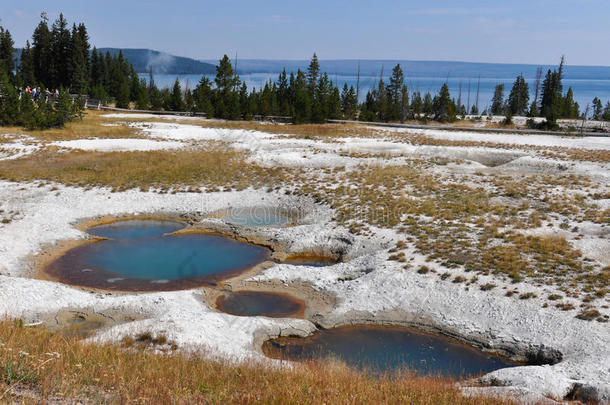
(161, 62)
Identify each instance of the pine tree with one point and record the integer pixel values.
(320, 105)
(26, 117)
(533, 111)
(313, 72)
(518, 100)
(244, 102)
(108, 66)
(275, 109)
(156, 99)
(188, 100)
(348, 102)
(41, 51)
(549, 98)
(283, 94)
(381, 101)
(134, 84)
(368, 110)
(416, 105)
(443, 107)
(44, 115)
(225, 77)
(7, 51)
(394, 95)
(570, 107)
(334, 104)
(26, 66)
(123, 93)
(427, 106)
(253, 103)
(404, 103)
(203, 97)
(9, 102)
(597, 109)
(61, 55)
(79, 60)
(302, 102)
(264, 108)
(96, 69)
(65, 111)
(143, 98)
(227, 99)
(497, 102)
(606, 115)
(177, 103)
(551, 103)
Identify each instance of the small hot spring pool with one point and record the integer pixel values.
(256, 303)
(380, 349)
(142, 256)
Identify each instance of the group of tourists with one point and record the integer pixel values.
(35, 93)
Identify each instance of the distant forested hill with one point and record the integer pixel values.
(163, 63)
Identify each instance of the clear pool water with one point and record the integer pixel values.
(144, 258)
(135, 229)
(255, 303)
(385, 349)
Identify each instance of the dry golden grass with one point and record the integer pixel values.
(460, 225)
(217, 166)
(318, 131)
(37, 365)
(89, 127)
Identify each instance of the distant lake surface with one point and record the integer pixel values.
(584, 89)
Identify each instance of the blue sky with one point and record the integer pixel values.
(518, 31)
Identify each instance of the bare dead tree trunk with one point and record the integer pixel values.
(478, 92)
(584, 118)
(538, 79)
(151, 80)
(460, 96)
(358, 85)
(468, 107)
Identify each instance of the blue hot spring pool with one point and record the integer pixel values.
(135, 229)
(381, 349)
(142, 256)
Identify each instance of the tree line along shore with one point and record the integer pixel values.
(60, 57)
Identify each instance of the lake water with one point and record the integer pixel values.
(584, 89)
(384, 349)
(143, 258)
(256, 303)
